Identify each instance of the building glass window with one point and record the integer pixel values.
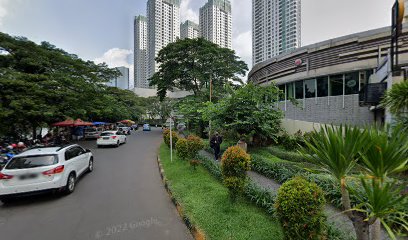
(299, 90)
(322, 86)
(351, 83)
(310, 88)
(289, 91)
(282, 95)
(336, 85)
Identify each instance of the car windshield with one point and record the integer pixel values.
(106, 134)
(32, 162)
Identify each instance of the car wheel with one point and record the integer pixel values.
(91, 165)
(98, 146)
(6, 200)
(71, 182)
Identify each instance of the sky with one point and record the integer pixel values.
(102, 30)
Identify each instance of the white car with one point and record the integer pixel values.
(111, 138)
(44, 169)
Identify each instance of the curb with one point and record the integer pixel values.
(195, 231)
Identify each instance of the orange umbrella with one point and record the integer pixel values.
(79, 122)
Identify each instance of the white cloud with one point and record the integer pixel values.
(3, 10)
(117, 57)
(243, 46)
(187, 12)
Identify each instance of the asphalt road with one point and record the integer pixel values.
(123, 198)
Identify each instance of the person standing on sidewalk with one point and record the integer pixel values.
(215, 144)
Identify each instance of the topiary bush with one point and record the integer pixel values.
(182, 148)
(299, 207)
(166, 137)
(234, 165)
(195, 144)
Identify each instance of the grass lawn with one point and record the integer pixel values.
(205, 200)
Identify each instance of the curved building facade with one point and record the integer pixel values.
(332, 80)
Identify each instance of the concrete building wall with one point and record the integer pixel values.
(143, 92)
(123, 81)
(329, 110)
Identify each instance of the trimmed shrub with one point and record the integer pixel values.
(279, 171)
(195, 144)
(182, 148)
(166, 137)
(234, 165)
(299, 207)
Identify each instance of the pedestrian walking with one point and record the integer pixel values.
(215, 144)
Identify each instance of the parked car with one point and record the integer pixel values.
(44, 169)
(92, 133)
(146, 127)
(125, 130)
(111, 138)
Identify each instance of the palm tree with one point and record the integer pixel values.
(336, 150)
(396, 100)
(387, 154)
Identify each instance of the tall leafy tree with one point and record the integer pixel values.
(41, 84)
(191, 64)
(249, 111)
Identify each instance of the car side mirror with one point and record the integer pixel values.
(87, 150)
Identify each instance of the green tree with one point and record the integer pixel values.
(249, 111)
(396, 99)
(190, 64)
(161, 109)
(379, 154)
(386, 155)
(336, 150)
(41, 84)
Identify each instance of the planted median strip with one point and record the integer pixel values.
(206, 203)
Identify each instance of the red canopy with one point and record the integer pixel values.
(66, 123)
(72, 123)
(79, 122)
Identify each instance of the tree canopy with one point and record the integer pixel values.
(190, 64)
(249, 112)
(41, 84)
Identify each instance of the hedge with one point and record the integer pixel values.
(285, 154)
(284, 171)
(265, 199)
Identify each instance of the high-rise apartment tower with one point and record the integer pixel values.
(275, 28)
(216, 23)
(140, 52)
(163, 27)
(189, 29)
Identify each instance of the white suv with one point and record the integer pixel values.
(44, 169)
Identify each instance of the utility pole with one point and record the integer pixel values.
(209, 128)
